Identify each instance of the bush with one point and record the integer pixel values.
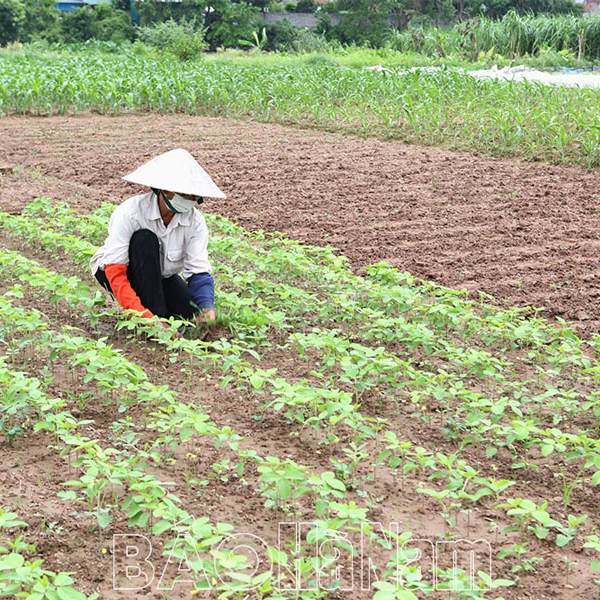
(188, 47)
(321, 60)
(113, 25)
(184, 40)
(275, 7)
(280, 36)
(308, 41)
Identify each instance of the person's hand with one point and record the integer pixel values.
(206, 316)
(206, 323)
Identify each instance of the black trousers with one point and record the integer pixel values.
(165, 297)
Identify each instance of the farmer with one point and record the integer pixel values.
(155, 258)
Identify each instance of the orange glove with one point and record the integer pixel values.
(121, 288)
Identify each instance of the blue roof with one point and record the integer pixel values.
(69, 5)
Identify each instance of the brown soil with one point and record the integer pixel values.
(526, 233)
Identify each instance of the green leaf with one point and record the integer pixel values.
(544, 518)
(104, 518)
(510, 529)
(331, 480)
(11, 561)
(541, 532)
(161, 526)
(257, 381)
(547, 449)
(491, 451)
(320, 506)
(65, 593)
(387, 591)
(595, 565)
(63, 579)
(139, 520)
(69, 495)
(283, 489)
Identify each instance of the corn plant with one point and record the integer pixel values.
(502, 119)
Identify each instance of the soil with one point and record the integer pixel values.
(524, 233)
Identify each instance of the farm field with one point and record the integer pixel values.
(335, 391)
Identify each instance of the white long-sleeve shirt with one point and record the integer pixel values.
(183, 244)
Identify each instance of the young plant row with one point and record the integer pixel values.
(148, 502)
(264, 303)
(281, 480)
(351, 418)
(277, 476)
(443, 388)
(245, 260)
(345, 406)
(21, 577)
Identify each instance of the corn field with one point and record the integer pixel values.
(446, 107)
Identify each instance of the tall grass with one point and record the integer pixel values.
(512, 36)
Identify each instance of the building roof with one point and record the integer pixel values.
(69, 5)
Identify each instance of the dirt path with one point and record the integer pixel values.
(526, 233)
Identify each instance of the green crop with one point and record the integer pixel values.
(445, 107)
(497, 384)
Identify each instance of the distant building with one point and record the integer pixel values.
(70, 5)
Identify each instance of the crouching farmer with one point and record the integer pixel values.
(155, 258)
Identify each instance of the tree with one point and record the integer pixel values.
(157, 11)
(363, 21)
(306, 6)
(42, 21)
(78, 25)
(281, 35)
(12, 16)
(229, 22)
(113, 24)
(440, 12)
(262, 4)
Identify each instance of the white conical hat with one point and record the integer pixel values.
(176, 171)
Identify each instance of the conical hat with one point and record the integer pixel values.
(176, 171)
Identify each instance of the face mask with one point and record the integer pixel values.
(178, 204)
